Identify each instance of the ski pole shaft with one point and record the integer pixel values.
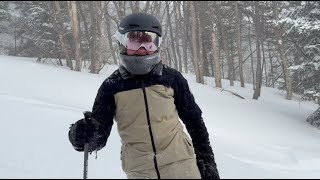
(86, 154)
(87, 115)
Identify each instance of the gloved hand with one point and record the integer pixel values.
(85, 130)
(207, 167)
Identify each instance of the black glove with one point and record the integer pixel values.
(86, 130)
(207, 167)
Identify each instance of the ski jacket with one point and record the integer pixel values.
(147, 110)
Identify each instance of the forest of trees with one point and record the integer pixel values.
(266, 43)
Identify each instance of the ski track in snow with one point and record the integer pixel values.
(38, 102)
(279, 157)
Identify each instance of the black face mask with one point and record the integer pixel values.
(139, 65)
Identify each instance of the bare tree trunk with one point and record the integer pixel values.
(203, 56)
(109, 35)
(93, 38)
(251, 56)
(264, 64)
(217, 71)
(189, 32)
(212, 54)
(195, 48)
(201, 63)
(232, 54)
(96, 34)
(85, 23)
(227, 52)
(72, 6)
(60, 29)
(225, 45)
(86, 28)
(284, 60)
(263, 37)
(205, 36)
(165, 43)
(184, 38)
(222, 65)
(271, 65)
(171, 37)
(256, 15)
(238, 18)
(102, 39)
(177, 39)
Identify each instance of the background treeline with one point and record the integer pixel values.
(266, 43)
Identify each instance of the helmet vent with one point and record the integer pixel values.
(157, 27)
(134, 25)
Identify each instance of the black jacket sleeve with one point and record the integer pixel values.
(191, 114)
(104, 107)
(102, 112)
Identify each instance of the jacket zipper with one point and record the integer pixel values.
(150, 131)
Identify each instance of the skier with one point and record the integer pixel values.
(146, 99)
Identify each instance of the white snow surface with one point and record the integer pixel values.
(264, 138)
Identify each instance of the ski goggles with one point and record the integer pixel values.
(136, 39)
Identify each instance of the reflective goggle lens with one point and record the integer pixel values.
(149, 46)
(137, 39)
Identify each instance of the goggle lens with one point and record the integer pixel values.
(136, 39)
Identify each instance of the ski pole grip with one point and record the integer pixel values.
(87, 119)
(87, 115)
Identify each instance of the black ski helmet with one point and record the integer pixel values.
(140, 22)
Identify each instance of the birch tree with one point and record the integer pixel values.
(72, 6)
(256, 18)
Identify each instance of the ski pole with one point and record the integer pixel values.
(86, 154)
(86, 147)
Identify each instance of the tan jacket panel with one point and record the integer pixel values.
(171, 143)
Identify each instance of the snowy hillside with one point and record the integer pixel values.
(265, 138)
